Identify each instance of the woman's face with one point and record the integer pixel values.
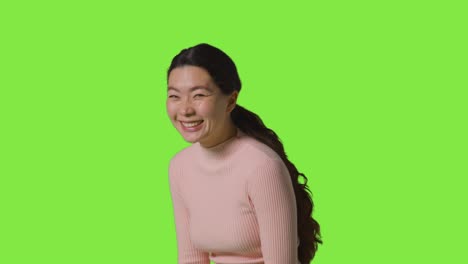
(193, 97)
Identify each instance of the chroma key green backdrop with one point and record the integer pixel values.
(368, 97)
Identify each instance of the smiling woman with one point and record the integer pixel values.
(235, 194)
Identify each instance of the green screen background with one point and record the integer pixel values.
(368, 97)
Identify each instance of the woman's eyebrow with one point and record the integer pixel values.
(191, 89)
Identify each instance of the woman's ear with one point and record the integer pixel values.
(232, 101)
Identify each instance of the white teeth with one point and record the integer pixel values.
(192, 124)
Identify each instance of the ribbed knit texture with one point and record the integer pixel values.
(233, 203)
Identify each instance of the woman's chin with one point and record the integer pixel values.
(190, 139)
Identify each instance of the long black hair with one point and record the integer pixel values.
(223, 71)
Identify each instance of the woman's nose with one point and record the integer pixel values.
(187, 108)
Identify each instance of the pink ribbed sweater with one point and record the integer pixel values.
(233, 203)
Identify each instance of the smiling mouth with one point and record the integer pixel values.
(191, 124)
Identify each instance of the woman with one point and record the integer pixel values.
(236, 196)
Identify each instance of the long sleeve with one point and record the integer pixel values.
(186, 252)
(272, 195)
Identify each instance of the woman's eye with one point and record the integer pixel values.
(175, 96)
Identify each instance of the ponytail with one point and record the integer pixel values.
(308, 228)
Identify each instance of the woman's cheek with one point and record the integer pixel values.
(204, 108)
(170, 108)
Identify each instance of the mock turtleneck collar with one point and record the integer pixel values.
(222, 150)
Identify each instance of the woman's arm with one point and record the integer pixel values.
(271, 192)
(186, 252)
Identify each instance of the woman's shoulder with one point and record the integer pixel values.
(256, 151)
(257, 157)
(183, 156)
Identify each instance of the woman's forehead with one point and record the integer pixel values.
(188, 78)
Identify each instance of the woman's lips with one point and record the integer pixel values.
(191, 129)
